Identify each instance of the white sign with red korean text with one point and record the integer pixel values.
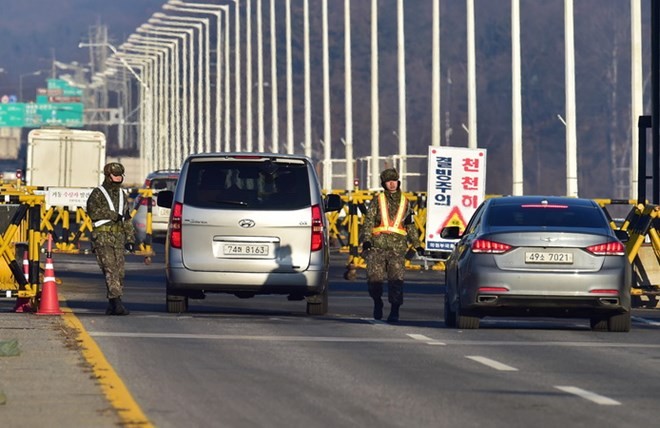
(456, 187)
(67, 197)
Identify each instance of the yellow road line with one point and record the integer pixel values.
(113, 387)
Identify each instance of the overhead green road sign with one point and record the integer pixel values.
(31, 115)
(66, 89)
(61, 114)
(12, 115)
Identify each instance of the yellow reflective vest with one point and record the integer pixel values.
(393, 226)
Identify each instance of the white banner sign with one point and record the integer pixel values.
(456, 187)
(71, 197)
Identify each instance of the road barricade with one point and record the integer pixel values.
(20, 219)
(643, 251)
(26, 223)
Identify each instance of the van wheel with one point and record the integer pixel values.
(319, 306)
(177, 304)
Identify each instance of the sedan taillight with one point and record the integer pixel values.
(489, 247)
(175, 225)
(608, 249)
(317, 228)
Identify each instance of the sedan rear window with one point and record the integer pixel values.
(551, 216)
(248, 184)
(159, 184)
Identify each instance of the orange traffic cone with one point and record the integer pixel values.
(23, 303)
(49, 303)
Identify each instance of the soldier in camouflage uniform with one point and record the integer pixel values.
(387, 228)
(107, 207)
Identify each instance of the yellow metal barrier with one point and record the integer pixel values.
(644, 222)
(145, 248)
(21, 231)
(27, 227)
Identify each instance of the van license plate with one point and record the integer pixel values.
(548, 257)
(245, 250)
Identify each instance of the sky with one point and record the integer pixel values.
(35, 32)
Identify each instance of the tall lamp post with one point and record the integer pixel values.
(161, 94)
(207, 69)
(275, 127)
(216, 10)
(177, 106)
(187, 78)
(114, 51)
(169, 76)
(145, 64)
(327, 118)
(20, 82)
(200, 24)
(289, 82)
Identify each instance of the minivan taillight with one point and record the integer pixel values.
(175, 225)
(317, 228)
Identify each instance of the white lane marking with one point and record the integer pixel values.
(492, 363)
(371, 340)
(645, 321)
(588, 395)
(423, 338)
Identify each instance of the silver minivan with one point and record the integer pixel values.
(247, 224)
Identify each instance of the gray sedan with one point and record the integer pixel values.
(538, 256)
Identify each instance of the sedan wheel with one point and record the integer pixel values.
(598, 323)
(464, 320)
(619, 322)
(450, 316)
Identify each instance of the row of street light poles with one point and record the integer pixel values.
(179, 117)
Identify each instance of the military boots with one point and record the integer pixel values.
(378, 308)
(394, 313)
(115, 307)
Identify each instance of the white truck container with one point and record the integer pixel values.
(58, 157)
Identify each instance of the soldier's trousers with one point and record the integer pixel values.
(385, 265)
(110, 257)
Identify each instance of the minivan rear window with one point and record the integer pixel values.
(247, 184)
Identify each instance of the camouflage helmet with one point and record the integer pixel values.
(114, 168)
(389, 174)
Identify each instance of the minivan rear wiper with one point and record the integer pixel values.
(230, 202)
